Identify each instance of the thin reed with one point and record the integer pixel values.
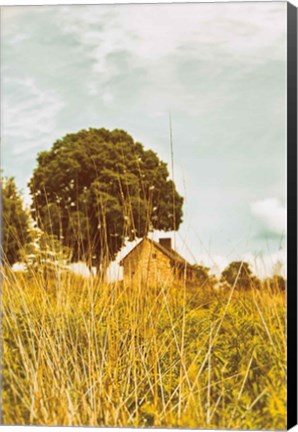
(77, 351)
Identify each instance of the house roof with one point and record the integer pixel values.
(170, 253)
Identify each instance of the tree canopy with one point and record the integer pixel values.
(16, 227)
(95, 188)
(203, 276)
(239, 273)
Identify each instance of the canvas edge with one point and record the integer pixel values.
(291, 215)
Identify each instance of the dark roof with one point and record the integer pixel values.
(170, 253)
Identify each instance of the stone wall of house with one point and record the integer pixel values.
(147, 265)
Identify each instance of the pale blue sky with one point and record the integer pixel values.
(219, 68)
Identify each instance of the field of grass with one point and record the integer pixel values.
(80, 352)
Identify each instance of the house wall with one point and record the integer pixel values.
(147, 265)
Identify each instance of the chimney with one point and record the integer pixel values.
(166, 243)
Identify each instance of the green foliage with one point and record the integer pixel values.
(203, 277)
(16, 227)
(276, 283)
(46, 254)
(239, 273)
(96, 188)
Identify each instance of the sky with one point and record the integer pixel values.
(219, 70)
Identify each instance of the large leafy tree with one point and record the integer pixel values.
(96, 188)
(240, 274)
(16, 233)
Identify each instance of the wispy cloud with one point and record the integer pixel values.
(219, 68)
(272, 213)
(160, 41)
(29, 114)
(153, 31)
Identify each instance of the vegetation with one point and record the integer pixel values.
(45, 254)
(203, 277)
(16, 223)
(276, 283)
(79, 352)
(240, 274)
(96, 188)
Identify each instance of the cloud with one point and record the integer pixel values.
(80, 268)
(153, 31)
(164, 43)
(266, 265)
(18, 38)
(29, 114)
(219, 68)
(272, 213)
(262, 265)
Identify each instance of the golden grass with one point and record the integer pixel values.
(78, 352)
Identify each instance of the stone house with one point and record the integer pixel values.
(153, 263)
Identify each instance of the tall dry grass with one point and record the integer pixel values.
(80, 352)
